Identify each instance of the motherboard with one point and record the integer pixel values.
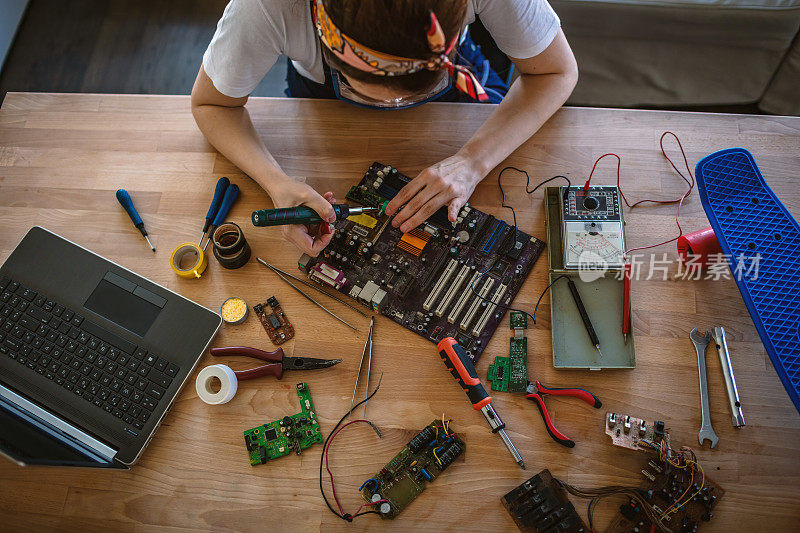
(438, 280)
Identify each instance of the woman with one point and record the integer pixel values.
(386, 54)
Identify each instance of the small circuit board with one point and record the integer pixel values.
(668, 485)
(274, 321)
(510, 374)
(420, 462)
(289, 434)
(628, 432)
(541, 504)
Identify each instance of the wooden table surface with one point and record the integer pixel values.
(63, 156)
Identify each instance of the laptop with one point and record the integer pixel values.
(92, 355)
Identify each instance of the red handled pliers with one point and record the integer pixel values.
(279, 363)
(536, 391)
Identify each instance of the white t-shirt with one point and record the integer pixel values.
(252, 34)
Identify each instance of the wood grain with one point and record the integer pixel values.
(63, 156)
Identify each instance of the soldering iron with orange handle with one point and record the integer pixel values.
(460, 366)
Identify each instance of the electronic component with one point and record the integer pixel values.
(541, 504)
(628, 432)
(289, 434)
(420, 462)
(327, 275)
(414, 241)
(424, 279)
(274, 321)
(511, 373)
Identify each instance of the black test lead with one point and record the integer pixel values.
(584, 315)
(125, 201)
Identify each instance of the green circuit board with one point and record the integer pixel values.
(519, 320)
(510, 374)
(292, 433)
(420, 462)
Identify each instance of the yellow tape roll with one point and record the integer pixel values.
(182, 252)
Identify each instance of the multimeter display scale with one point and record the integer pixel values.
(592, 228)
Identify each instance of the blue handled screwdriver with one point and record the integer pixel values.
(219, 193)
(231, 194)
(125, 201)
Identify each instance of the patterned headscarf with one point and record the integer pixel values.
(381, 64)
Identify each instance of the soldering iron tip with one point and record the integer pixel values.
(598, 349)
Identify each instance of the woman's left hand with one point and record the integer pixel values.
(448, 182)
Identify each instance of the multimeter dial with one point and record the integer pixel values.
(598, 203)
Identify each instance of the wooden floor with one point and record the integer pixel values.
(63, 156)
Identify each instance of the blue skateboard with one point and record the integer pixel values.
(751, 222)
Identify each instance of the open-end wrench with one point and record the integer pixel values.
(737, 418)
(701, 343)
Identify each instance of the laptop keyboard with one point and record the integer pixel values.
(91, 362)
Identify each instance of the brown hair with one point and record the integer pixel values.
(396, 27)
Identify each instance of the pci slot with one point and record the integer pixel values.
(437, 265)
(437, 289)
(476, 304)
(462, 300)
(480, 324)
(448, 297)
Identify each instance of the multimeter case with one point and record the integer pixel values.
(601, 291)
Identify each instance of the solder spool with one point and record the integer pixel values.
(188, 260)
(229, 245)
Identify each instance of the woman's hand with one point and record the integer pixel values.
(449, 182)
(310, 239)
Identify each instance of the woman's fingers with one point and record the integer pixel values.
(406, 193)
(321, 205)
(414, 205)
(425, 211)
(300, 237)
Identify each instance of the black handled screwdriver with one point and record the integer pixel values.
(584, 315)
(302, 215)
(460, 366)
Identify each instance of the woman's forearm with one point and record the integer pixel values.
(231, 132)
(531, 100)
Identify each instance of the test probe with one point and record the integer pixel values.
(462, 369)
(584, 315)
(302, 215)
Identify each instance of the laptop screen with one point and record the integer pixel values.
(28, 440)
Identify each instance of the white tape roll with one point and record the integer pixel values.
(227, 380)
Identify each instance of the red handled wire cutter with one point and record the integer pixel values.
(536, 391)
(278, 363)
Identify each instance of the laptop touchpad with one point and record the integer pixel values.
(126, 304)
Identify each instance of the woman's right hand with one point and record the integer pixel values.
(310, 239)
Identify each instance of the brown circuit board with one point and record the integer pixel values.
(274, 321)
(667, 483)
(665, 487)
(628, 432)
